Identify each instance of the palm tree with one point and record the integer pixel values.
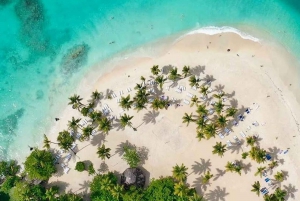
(194, 81)
(139, 106)
(125, 102)
(96, 96)
(210, 131)
(188, 118)
(204, 90)
(194, 101)
(219, 107)
(229, 167)
(143, 79)
(207, 176)
(180, 189)
(201, 110)
(261, 156)
(200, 123)
(155, 70)
(180, 172)
(221, 121)
(95, 116)
(256, 188)
(86, 133)
(279, 176)
(200, 135)
(160, 80)
(230, 112)
(51, 193)
(273, 164)
(157, 104)
(244, 155)
(260, 171)
(103, 152)
(250, 140)
(196, 197)
(104, 125)
(280, 194)
(253, 152)
(65, 140)
(75, 101)
(74, 124)
(125, 121)
(47, 142)
(173, 75)
(138, 86)
(117, 191)
(219, 149)
(186, 71)
(219, 96)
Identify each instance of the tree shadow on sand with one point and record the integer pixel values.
(230, 95)
(274, 152)
(120, 148)
(166, 69)
(219, 174)
(217, 195)
(118, 125)
(143, 153)
(150, 117)
(236, 147)
(197, 70)
(62, 185)
(199, 186)
(234, 102)
(246, 167)
(219, 88)
(103, 167)
(108, 93)
(291, 190)
(98, 139)
(84, 187)
(201, 167)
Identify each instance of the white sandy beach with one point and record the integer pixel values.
(259, 71)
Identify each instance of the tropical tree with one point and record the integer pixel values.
(244, 155)
(219, 107)
(86, 133)
(210, 131)
(104, 125)
(256, 188)
(194, 81)
(125, 120)
(229, 167)
(155, 70)
(143, 79)
(65, 140)
(51, 193)
(200, 135)
(207, 176)
(260, 171)
(201, 123)
(204, 90)
(160, 80)
(221, 121)
(196, 197)
(85, 111)
(103, 152)
(253, 152)
(187, 118)
(96, 96)
(219, 96)
(186, 71)
(125, 102)
(173, 75)
(39, 165)
(140, 106)
(117, 191)
(74, 124)
(138, 86)
(75, 101)
(219, 149)
(201, 110)
(95, 116)
(261, 156)
(70, 197)
(47, 142)
(24, 191)
(273, 164)
(157, 104)
(250, 140)
(230, 112)
(279, 176)
(280, 194)
(180, 189)
(180, 172)
(194, 101)
(131, 156)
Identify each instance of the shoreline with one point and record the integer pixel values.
(249, 73)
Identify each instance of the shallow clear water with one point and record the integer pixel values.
(39, 38)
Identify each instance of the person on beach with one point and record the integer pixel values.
(56, 119)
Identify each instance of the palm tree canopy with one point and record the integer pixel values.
(103, 152)
(194, 101)
(105, 125)
(194, 81)
(160, 80)
(204, 90)
(221, 121)
(279, 176)
(173, 75)
(157, 104)
(230, 112)
(125, 120)
(200, 123)
(256, 187)
(186, 71)
(180, 172)
(46, 142)
(86, 132)
(75, 101)
(65, 140)
(280, 194)
(126, 102)
(260, 171)
(201, 110)
(200, 135)
(219, 149)
(187, 118)
(219, 106)
(155, 70)
(74, 123)
(180, 189)
(210, 131)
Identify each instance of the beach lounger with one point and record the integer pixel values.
(264, 191)
(78, 135)
(190, 95)
(247, 111)
(211, 111)
(168, 88)
(94, 132)
(184, 88)
(66, 170)
(186, 102)
(235, 123)
(229, 144)
(178, 90)
(210, 89)
(236, 139)
(203, 98)
(227, 131)
(249, 128)
(194, 88)
(68, 158)
(118, 100)
(221, 135)
(74, 145)
(255, 123)
(224, 99)
(212, 102)
(269, 182)
(242, 134)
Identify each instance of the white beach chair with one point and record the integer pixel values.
(78, 135)
(168, 88)
(94, 132)
(68, 158)
(186, 102)
(221, 135)
(235, 123)
(66, 170)
(212, 102)
(178, 90)
(242, 134)
(74, 145)
(227, 131)
(190, 95)
(236, 139)
(255, 123)
(211, 111)
(229, 144)
(210, 89)
(194, 88)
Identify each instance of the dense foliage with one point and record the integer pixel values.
(80, 166)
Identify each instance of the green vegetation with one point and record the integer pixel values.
(206, 178)
(180, 172)
(131, 156)
(80, 166)
(256, 188)
(91, 169)
(219, 149)
(65, 140)
(103, 152)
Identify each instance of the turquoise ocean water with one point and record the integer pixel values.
(46, 46)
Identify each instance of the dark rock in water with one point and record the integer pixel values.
(9, 124)
(74, 59)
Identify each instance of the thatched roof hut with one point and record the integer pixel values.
(133, 176)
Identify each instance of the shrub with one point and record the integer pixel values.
(80, 167)
(91, 169)
(131, 156)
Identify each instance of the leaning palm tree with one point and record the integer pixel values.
(160, 80)
(173, 75)
(155, 70)
(200, 135)
(187, 118)
(117, 191)
(207, 176)
(210, 131)
(221, 121)
(138, 86)
(104, 125)
(194, 82)
(201, 110)
(280, 194)
(181, 189)
(273, 164)
(256, 188)
(125, 120)
(86, 133)
(219, 149)
(260, 171)
(125, 102)
(279, 176)
(47, 142)
(180, 172)
(194, 101)
(103, 152)
(75, 101)
(186, 71)
(230, 112)
(204, 90)
(74, 124)
(219, 107)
